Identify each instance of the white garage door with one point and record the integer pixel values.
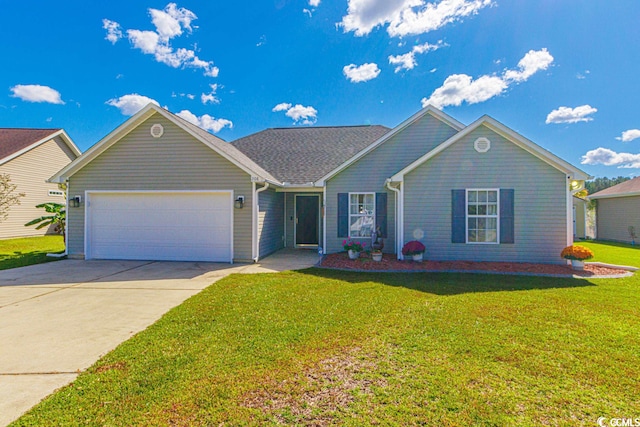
(183, 226)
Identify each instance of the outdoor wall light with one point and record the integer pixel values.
(74, 202)
(239, 203)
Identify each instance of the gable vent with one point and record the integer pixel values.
(157, 130)
(482, 145)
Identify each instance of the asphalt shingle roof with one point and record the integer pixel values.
(303, 155)
(630, 186)
(13, 140)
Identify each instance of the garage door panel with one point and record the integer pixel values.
(160, 226)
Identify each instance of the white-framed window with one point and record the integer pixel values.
(483, 215)
(362, 209)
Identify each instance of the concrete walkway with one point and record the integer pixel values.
(57, 319)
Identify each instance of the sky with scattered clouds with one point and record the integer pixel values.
(563, 74)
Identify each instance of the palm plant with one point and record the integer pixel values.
(57, 217)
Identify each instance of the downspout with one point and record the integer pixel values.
(398, 216)
(324, 218)
(256, 247)
(569, 214)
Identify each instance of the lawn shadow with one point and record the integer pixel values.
(21, 259)
(439, 283)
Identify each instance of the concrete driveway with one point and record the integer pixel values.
(57, 319)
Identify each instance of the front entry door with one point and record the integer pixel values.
(307, 219)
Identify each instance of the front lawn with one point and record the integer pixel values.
(29, 250)
(615, 253)
(320, 347)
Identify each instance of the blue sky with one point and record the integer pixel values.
(565, 74)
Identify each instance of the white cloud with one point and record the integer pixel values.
(36, 93)
(205, 121)
(571, 115)
(146, 41)
(131, 104)
(459, 88)
(114, 32)
(629, 135)
(211, 96)
(406, 17)
(407, 61)
(530, 64)
(300, 114)
(283, 106)
(362, 73)
(607, 157)
(171, 22)
(314, 3)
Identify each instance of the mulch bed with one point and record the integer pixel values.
(390, 263)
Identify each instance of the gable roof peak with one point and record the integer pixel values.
(17, 141)
(509, 134)
(223, 148)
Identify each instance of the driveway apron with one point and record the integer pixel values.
(58, 318)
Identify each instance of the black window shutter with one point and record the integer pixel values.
(381, 213)
(458, 216)
(507, 232)
(343, 214)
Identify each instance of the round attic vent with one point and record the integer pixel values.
(482, 145)
(157, 130)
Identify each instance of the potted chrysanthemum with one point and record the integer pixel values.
(414, 249)
(577, 254)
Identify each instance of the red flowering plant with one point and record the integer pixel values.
(413, 248)
(576, 252)
(352, 245)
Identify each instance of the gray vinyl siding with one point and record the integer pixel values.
(29, 173)
(369, 173)
(270, 221)
(614, 217)
(540, 201)
(176, 161)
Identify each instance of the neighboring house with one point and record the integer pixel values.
(161, 188)
(30, 157)
(617, 209)
(579, 218)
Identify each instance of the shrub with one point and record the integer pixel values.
(413, 248)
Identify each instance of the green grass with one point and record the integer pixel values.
(616, 253)
(30, 250)
(320, 347)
